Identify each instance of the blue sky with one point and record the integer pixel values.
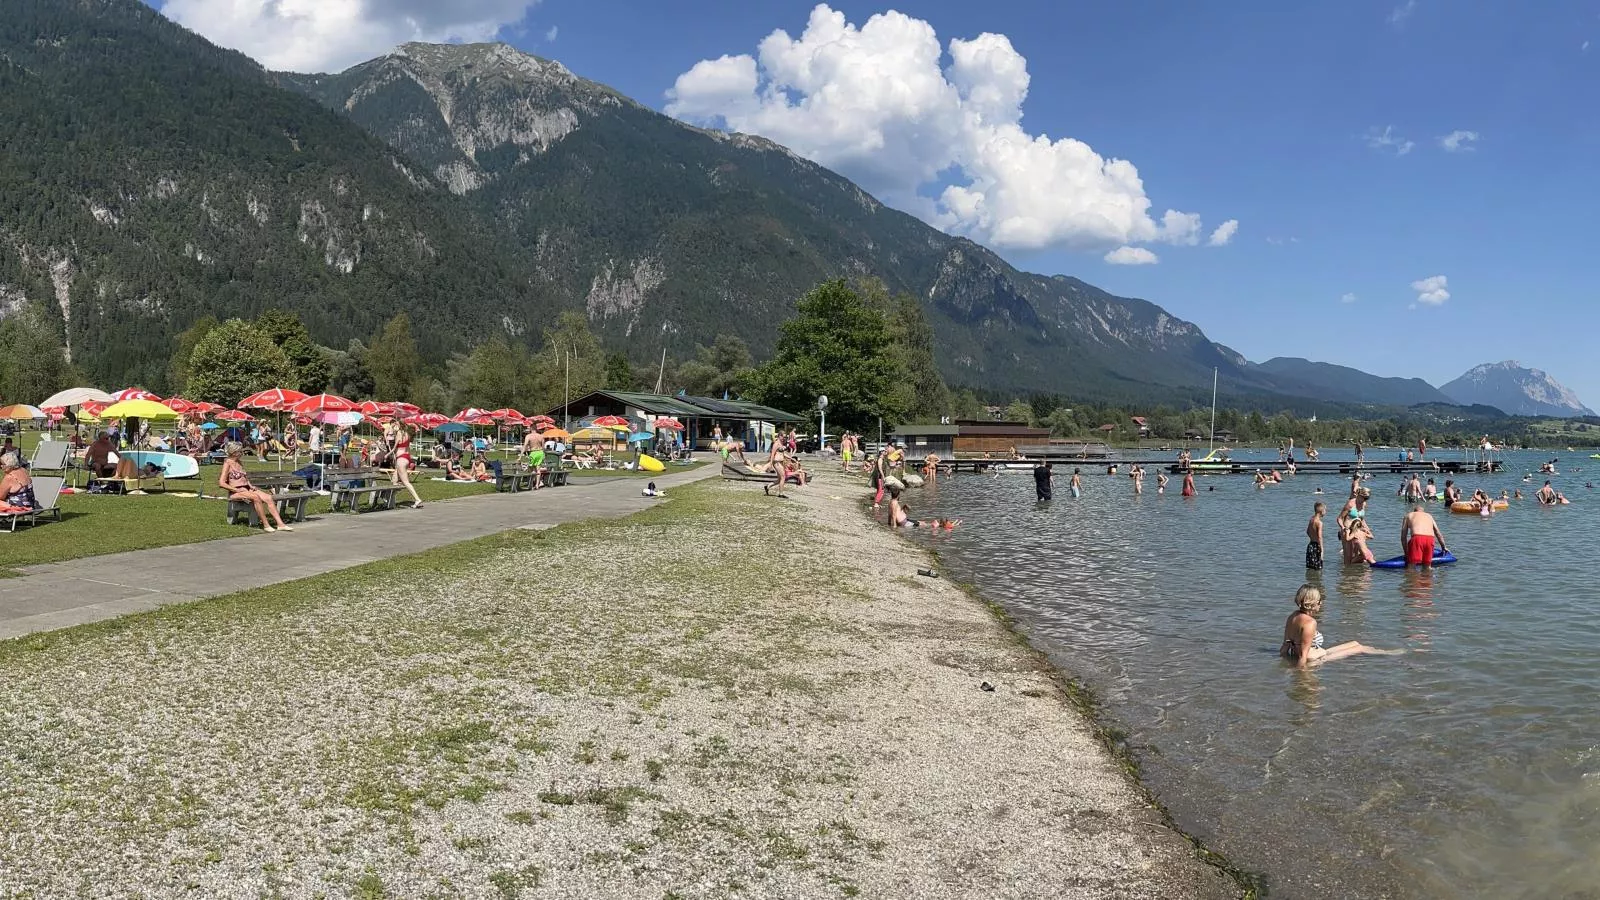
(1289, 118)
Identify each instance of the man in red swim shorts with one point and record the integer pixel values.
(1417, 535)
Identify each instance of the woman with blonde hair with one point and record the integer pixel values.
(1302, 640)
(236, 481)
(398, 437)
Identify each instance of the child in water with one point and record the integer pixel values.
(1314, 536)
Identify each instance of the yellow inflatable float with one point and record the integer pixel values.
(648, 463)
(1468, 508)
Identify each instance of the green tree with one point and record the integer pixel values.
(619, 372)
(569, 347)
(837, 344)
(721, 368)
(33, 360)
(233, 361)
(913, 339)
(349, 375)
(966, 405)
(393, 360)
(178, 368)
(308, 365)
(1018, 411)
(489, 376)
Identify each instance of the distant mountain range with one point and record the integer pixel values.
(152, 178)
(1516, 390)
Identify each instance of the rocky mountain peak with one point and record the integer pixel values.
(484, 59)
(1516, 390)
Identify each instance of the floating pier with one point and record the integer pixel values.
(1232, 467)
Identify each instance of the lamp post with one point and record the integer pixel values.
(822, 431)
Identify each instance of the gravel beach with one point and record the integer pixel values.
(728, 695)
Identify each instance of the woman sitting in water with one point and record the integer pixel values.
(1302, 641)
(899, 516)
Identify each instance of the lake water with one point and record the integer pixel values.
(1467, 767)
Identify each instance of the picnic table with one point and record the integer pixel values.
(288, 492)
(346, 487)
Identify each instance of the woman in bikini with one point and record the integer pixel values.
(399, 439)
(236, 481)
(1302, 641)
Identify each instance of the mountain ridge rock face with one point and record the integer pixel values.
(1516, 390)
(1292, 375)
(153, 178)
(661, 226)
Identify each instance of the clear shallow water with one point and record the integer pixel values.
(1468, 767)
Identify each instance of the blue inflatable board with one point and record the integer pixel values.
(1443, 558)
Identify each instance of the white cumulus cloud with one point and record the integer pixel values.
(1347, 298)
(1224, 233)
(1387, 140)
(1401, 13)
(551, 33)
(1432, 291)
(330, 35)
(1131, 256)
(1458, 141)
(934, 132)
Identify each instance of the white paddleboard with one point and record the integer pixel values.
(173, 465)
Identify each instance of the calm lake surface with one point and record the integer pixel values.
(1468, 767)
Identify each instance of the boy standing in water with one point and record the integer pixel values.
(1314, 536)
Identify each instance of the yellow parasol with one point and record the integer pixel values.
(138, 409)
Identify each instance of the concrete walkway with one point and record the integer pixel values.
(60, 595)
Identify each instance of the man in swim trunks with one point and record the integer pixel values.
(1042, 474)
(1546, 495)
(1417, 536)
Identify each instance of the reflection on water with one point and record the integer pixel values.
(1466, 767)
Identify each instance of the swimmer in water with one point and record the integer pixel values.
(1302, 640)
(1077, 483)
(1188, 483)
(1161, 482)
(1314, 536)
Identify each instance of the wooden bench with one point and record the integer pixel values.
(291, 508)
(382, 497)
(514, 481)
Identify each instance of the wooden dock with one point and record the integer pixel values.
(1235, 467)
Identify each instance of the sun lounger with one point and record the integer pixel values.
(736, 472)
(50, 455)
(47, 493)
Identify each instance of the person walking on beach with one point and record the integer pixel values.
(880, 472)
(1314, 537)
(1418, 532)
(1302, 640)
(1042, 474)
(1077, 483)
(398, 437)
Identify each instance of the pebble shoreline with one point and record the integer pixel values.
(728, 695)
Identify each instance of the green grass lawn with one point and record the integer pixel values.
(92, 525)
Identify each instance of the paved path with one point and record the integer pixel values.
(59, 595)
